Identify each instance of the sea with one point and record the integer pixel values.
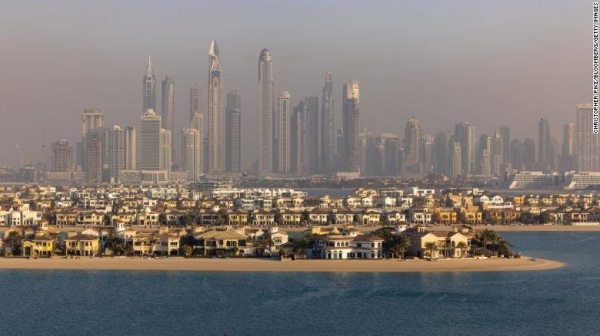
(563, 301)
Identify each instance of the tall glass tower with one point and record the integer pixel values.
(327, 126)
(149, 88)
(266, 90)
(215, 110)
(351, 114)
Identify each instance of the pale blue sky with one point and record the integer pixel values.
(487, 62)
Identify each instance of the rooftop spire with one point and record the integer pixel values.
(149, 71)
(214, 49)
(328, 76)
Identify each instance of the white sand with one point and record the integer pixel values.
(264, 265)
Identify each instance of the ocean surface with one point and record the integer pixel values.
(565, 301)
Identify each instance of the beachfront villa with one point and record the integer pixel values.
(213, 243)
(43, 245)
(338, 246)
(447, 244)
(82, 245)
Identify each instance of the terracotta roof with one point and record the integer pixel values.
(368, 238)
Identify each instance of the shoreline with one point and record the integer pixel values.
(270, 265)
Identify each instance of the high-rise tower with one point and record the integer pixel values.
(62, 157)
(568, 148)
(350, 115)
(544, 144)
(588, 147)
(192, 153)
(266, 92)
(116, 152)
(150, 141)
(168, 108)
(195, 101)
(215, 111)
(233, 133)
(327, 125)
(93, 141)
(283, 133)
(464, 134)
(412, 146)
(149, 88)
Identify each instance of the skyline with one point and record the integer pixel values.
(542, 68)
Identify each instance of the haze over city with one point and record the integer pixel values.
(488, 63)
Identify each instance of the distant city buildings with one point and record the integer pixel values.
(299, 138)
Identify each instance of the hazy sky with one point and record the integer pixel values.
(486, 62)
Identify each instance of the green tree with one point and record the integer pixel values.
(431, 247)
(12, 243)
(463, 247)
(282, 253)
(401, 245)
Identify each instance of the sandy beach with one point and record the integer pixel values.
(266, 265)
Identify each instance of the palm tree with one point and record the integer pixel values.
(13, 243)
(431, 247)
(401, 245)
(462, 246)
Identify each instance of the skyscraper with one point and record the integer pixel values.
(116, 152)
(544, 144)
(165, 149)
(93, 140)
(215, 111)
(568, 148)
(314, 135)
(62, 157)
(350, 116)
(588, 147)
(456, 158)
(328, 136)
(168, 108)
(505, 133)
(266, 97)
(412, 147)
(149, 88)
(298, 138)
(195, 101)
(496, 154)
(441, 158)
(464, 133)
(233, 133)
(192, 153)
(130, 148)
(150, 141)
(283, 133)
(485, 144)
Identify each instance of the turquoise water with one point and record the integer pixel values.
(555, 302)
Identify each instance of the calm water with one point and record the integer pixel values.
(556, 302)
